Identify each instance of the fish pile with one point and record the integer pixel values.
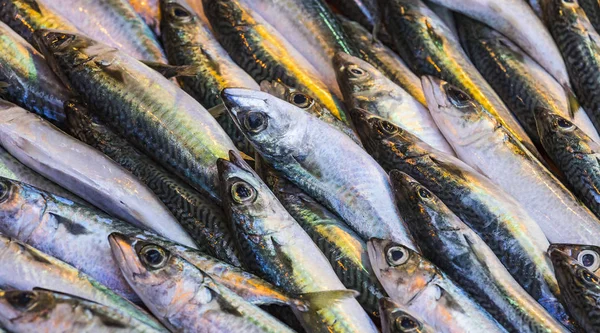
(327, 166)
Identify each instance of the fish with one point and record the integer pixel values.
(311, 154)
(198, 214)
(384, 59)
(457, 250)
(182, 297)
(345, 250)
(592, 11)
(481, 142)
(517, 21)
(26, 268)
(364, 12)
(575, 154)
(263, 53)
(521, 82)
(149, 11)
(311, 28)
(432, 49)
(145, 108)
(48, 311)
(494, 215)
(27, 80)
(578, 44)
(364, 87)
(417, 284)
(74, 234)
(587, 256)
(113, 22)
(395, 319)
(188, 41)
(580, 289)
(277, 248)
(445, 14)
(85, 172)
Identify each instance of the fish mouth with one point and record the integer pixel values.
(341, 61)
(434, 92)
(124, 253)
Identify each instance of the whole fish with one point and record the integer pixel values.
(519, 80)
(26, 79)
(394, 319)
(517, 21)
(189, 42)
(314, 156)
(65, 230)
(312, 28)
(365, 12)
(592, 11)
(366, 88)
(421, 287)
(247, 285)
(113, 22)
(85, 172)
(495, 216)
(453, 247)
(23, 311)
(345, 250)
(430, 48)
(26, 268)
(580, 290)
(587, 256)
(579, 45)
(199, 215)
(279, 250)
(384, 59)
(575, 154)
(481, 142)
(27, 16)
(262, 52)
(182, 297)
(142, 106)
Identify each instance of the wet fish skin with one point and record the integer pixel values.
(345, 250)
(587, 256)
(26, 268)
(365, 87)
(280, 251)
(142, 106)
(419, 285)
(149, 11)
(395, 319)
(432, 49)
(497, 218)
(264, 54)
(26, 79)
(575, 154)
(199, 215)
(592, 11)
(364, 12)
(519, 80)
(480, 141)
(84, 171)
(183, 297)
(579, 45)
(384, 59)
(48, 311)
(457, 250)
(580, 289)
(311, 153)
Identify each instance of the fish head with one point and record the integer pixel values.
(577, 284)
(402, 272)
(22, 208)
(587, 256)
(395, 318)
(176, 14)
(294, 97)
(356, 77)
(557, 131)
(228, 12)
(461, 119)
(274, 127)
(162, 279)
(24, 308)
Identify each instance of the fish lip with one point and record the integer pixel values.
(118, 244)
(340, 61)
(435, 95)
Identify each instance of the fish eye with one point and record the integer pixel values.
(406, 324)
(242, 192)
(255, 122)
(563, 124)
(457, 97)
(180, 12)
(22, 300)
(387, 127)
(357, 71)
(589, 259)
(300, 100)
(396, 256)
(153, 256)
(424, 193)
